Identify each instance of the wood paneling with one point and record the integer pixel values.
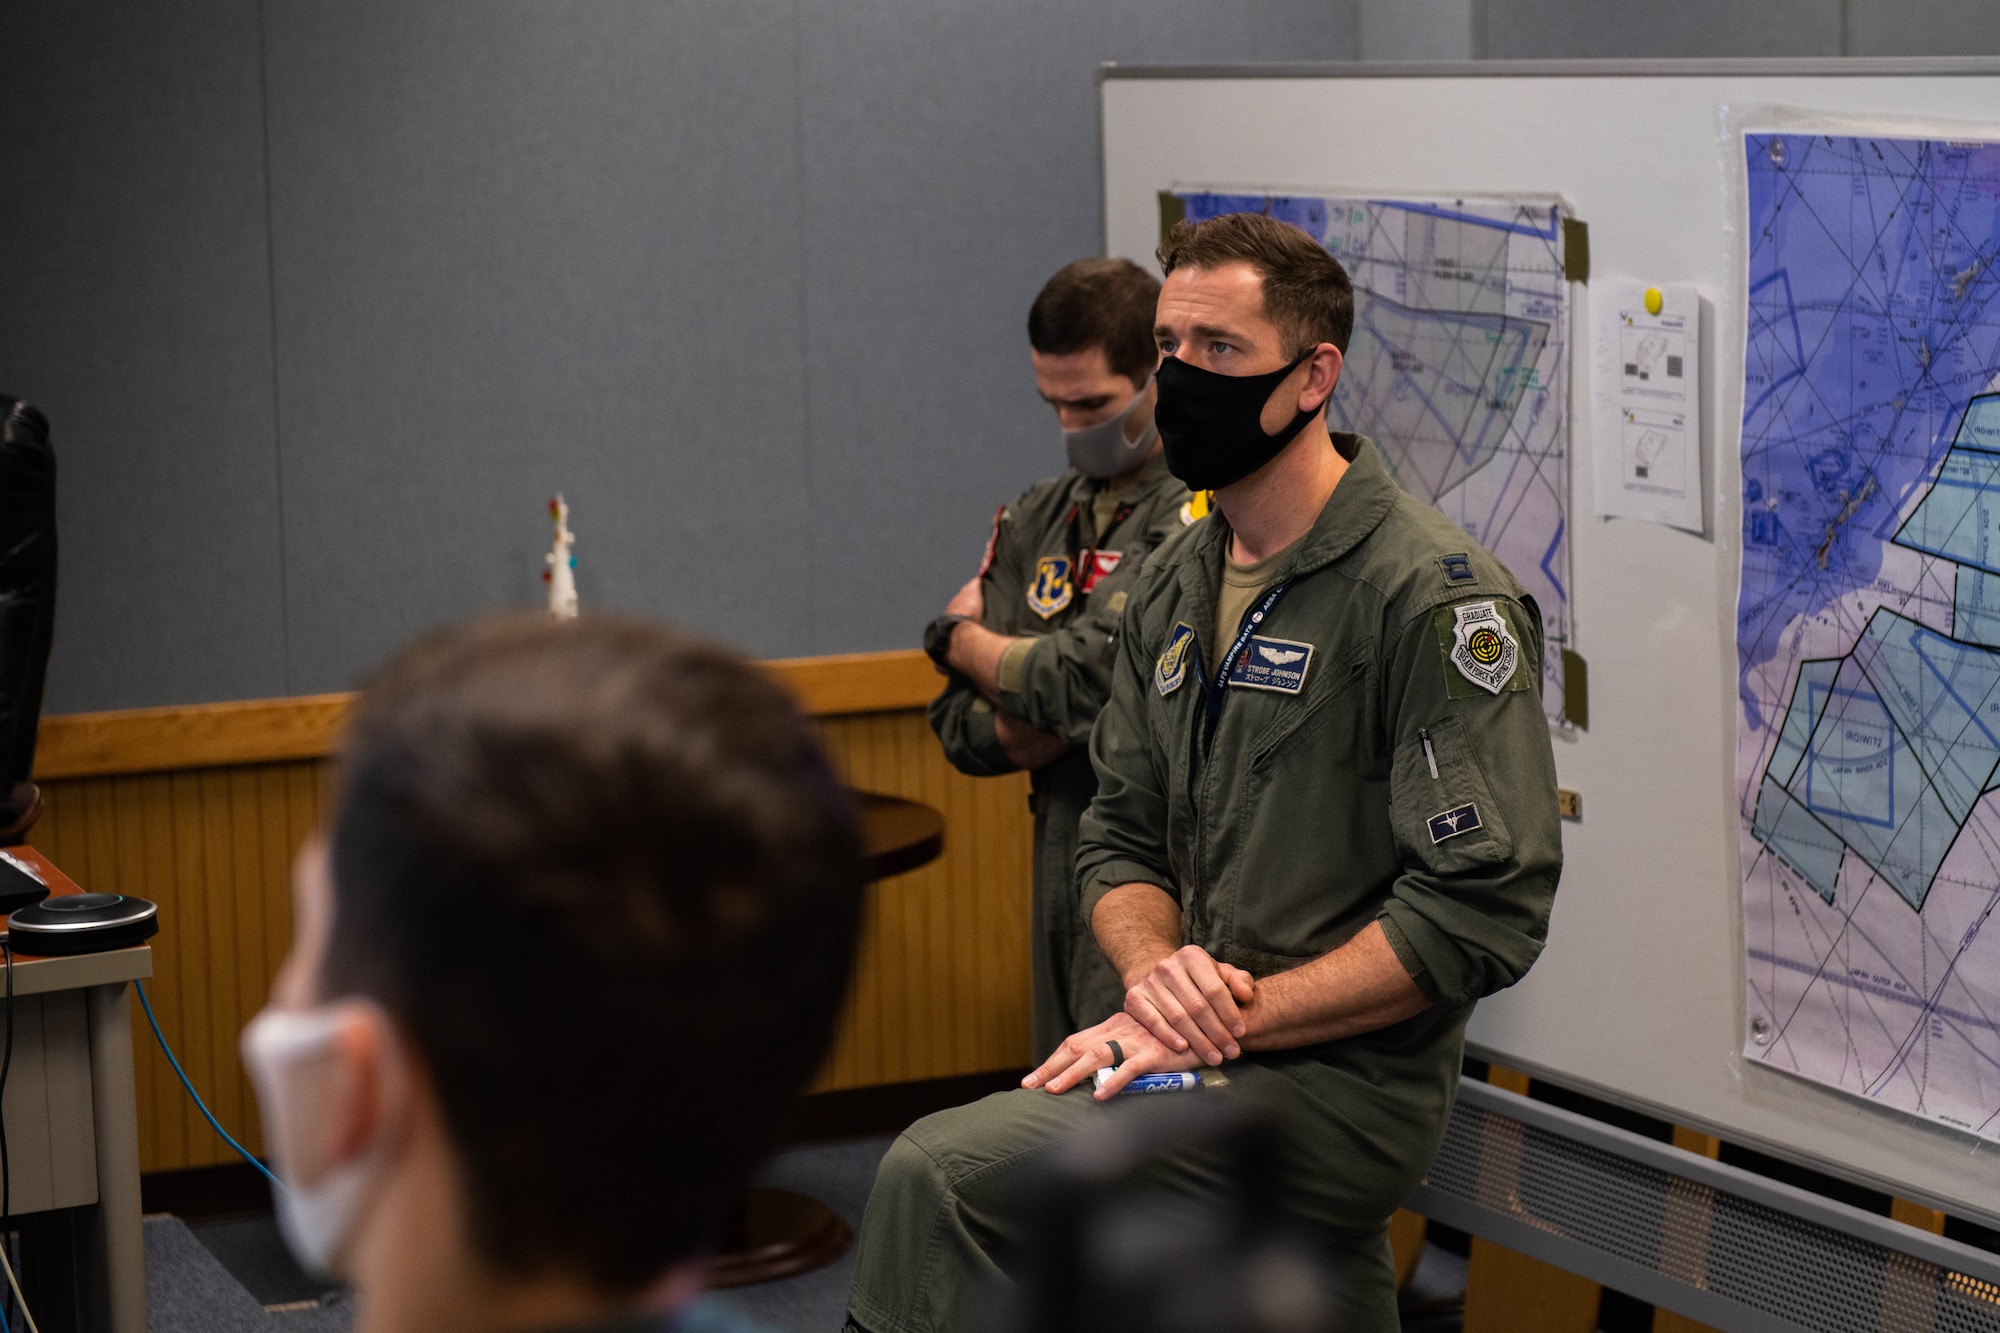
(257, 731)
(941, 989)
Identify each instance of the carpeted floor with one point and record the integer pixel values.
(234, 1276)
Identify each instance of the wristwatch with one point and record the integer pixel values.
(937, 640)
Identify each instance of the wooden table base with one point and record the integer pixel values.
(781, 1234)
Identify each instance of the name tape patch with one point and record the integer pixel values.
(1271, 664)
(1170, 671)
(1450, 823)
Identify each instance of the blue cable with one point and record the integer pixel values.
(199, 1105)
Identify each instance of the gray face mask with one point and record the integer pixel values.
(1102, 451)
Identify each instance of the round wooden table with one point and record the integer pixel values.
(780, 1233)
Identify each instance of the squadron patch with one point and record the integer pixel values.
(1197, 507)
(1052, 588)
(1450, 823)
(1481, 647)
(1170, 672)
(1272, 664)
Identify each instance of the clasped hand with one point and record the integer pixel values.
(1090, 1050)
(1182, 1014)
(1189, 1003)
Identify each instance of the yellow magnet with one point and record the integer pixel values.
(1654, 300)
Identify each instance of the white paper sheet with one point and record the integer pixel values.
(1645, 402)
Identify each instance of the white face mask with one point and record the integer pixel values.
(292, 1056)
(1102, 451)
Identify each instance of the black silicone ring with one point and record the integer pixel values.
(1117, 1054)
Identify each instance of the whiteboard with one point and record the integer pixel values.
(1639, 996)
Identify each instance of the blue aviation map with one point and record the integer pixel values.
(1868, 624)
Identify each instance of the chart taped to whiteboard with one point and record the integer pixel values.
(1645, 401)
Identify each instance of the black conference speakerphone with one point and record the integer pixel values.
(73, 923)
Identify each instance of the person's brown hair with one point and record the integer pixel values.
(1108, 303)
(603, 878)
(1306, 292)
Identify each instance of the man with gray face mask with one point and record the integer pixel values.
(1028, 641)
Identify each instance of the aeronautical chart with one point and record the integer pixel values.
(1458, 367)
(1868, 627)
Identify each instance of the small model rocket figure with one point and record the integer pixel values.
(561, 572)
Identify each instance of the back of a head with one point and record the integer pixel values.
(1107, 303)
(602, 876)
(1307, 295)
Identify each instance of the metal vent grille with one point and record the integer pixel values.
(1710, 1241)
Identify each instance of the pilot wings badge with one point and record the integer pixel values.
(1482, 649)
(1052, 588)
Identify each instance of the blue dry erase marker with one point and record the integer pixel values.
(1185, 1082)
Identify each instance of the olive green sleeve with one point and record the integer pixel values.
(961, 717)
(1122, 837)
(1474, 815)
(1061, 682)
(963, 722)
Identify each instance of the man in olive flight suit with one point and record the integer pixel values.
(1326, 817)
(1028, 641)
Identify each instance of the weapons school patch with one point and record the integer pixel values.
(1051, 589)
(1272, 664)
(1170, 672)
(1197, 507)
(1480, 646)
(1101, 565)
(1450, 823)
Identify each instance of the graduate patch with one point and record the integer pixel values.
(1197, 507)
(1101, 565)
(1482, 648)
(1271, 664)
(1170, 672)
(1450, 823)
(1051, 589)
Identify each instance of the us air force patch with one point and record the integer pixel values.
(1450, 823)
(1051, 589)
(1171, 670)
(1482, 649)
(1272, 664)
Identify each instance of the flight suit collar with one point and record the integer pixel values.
(1363, 498)
(1082, 489)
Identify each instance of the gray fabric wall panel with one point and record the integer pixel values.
(1923, 28)
(1532, 29)
(951, 166)
(524, 247)
(136, 312)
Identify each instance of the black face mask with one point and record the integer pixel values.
(1210, 423)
